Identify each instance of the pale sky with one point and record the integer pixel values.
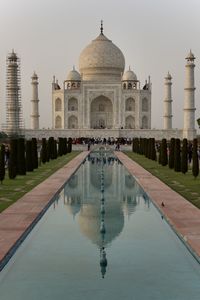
(48, 35)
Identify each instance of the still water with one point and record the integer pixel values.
(102, 238)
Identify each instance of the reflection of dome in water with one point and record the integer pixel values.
(129, 204)
(90, 221)
(73, 206)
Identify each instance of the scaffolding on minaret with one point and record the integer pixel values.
(14, 121)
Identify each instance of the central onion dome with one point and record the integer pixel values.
(90, 222)
(101, 60)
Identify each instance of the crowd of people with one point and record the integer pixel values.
(104, 141)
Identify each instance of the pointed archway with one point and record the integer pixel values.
(101, 113)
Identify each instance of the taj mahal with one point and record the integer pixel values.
(102, 95)
(103, 99)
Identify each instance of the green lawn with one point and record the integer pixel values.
(13, 189)
(186, 185)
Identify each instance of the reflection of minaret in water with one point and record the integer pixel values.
(103, 259)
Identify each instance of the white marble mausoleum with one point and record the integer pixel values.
(101, 95)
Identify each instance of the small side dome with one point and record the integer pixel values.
(129, 76)
(73, 75)
(74, 209)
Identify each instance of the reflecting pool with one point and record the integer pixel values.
(102, 238)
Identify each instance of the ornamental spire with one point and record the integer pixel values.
(101, 28)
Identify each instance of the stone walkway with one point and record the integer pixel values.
(180, 214)
(17, 220)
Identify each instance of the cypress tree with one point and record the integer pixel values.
(153, 149)
(171, 153)
(177, 156)
(55, 149)
(142, 146)
(29, 161)
(34, 153)
(164, 157)
(12, 164)
(195, 159)
(51, 146)
(136, 145)
(148, 148)
(145, 147)
(48, 150)
(65, 146)
(184, 157)
(44, 151)
(159, 154)
(2, 163)
(21, 160)
(69, 145)
(60, 146)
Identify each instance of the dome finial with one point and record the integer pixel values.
(101, 27)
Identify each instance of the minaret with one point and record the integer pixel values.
(189, 131)
(13, 97)
(35, 101)
(167, 118)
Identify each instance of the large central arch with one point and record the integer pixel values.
(101, 113)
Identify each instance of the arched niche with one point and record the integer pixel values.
(58, 104)
(101, 113)
(145, 105)
(130, 122)
(144, 122)
(72, 104)
(72, 122)
(58, 122)
(130, 104)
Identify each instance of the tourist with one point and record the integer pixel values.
(190, 153)
(89, 144)
(7, 155)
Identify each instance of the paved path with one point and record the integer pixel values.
(181, 214)
(17, 220)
